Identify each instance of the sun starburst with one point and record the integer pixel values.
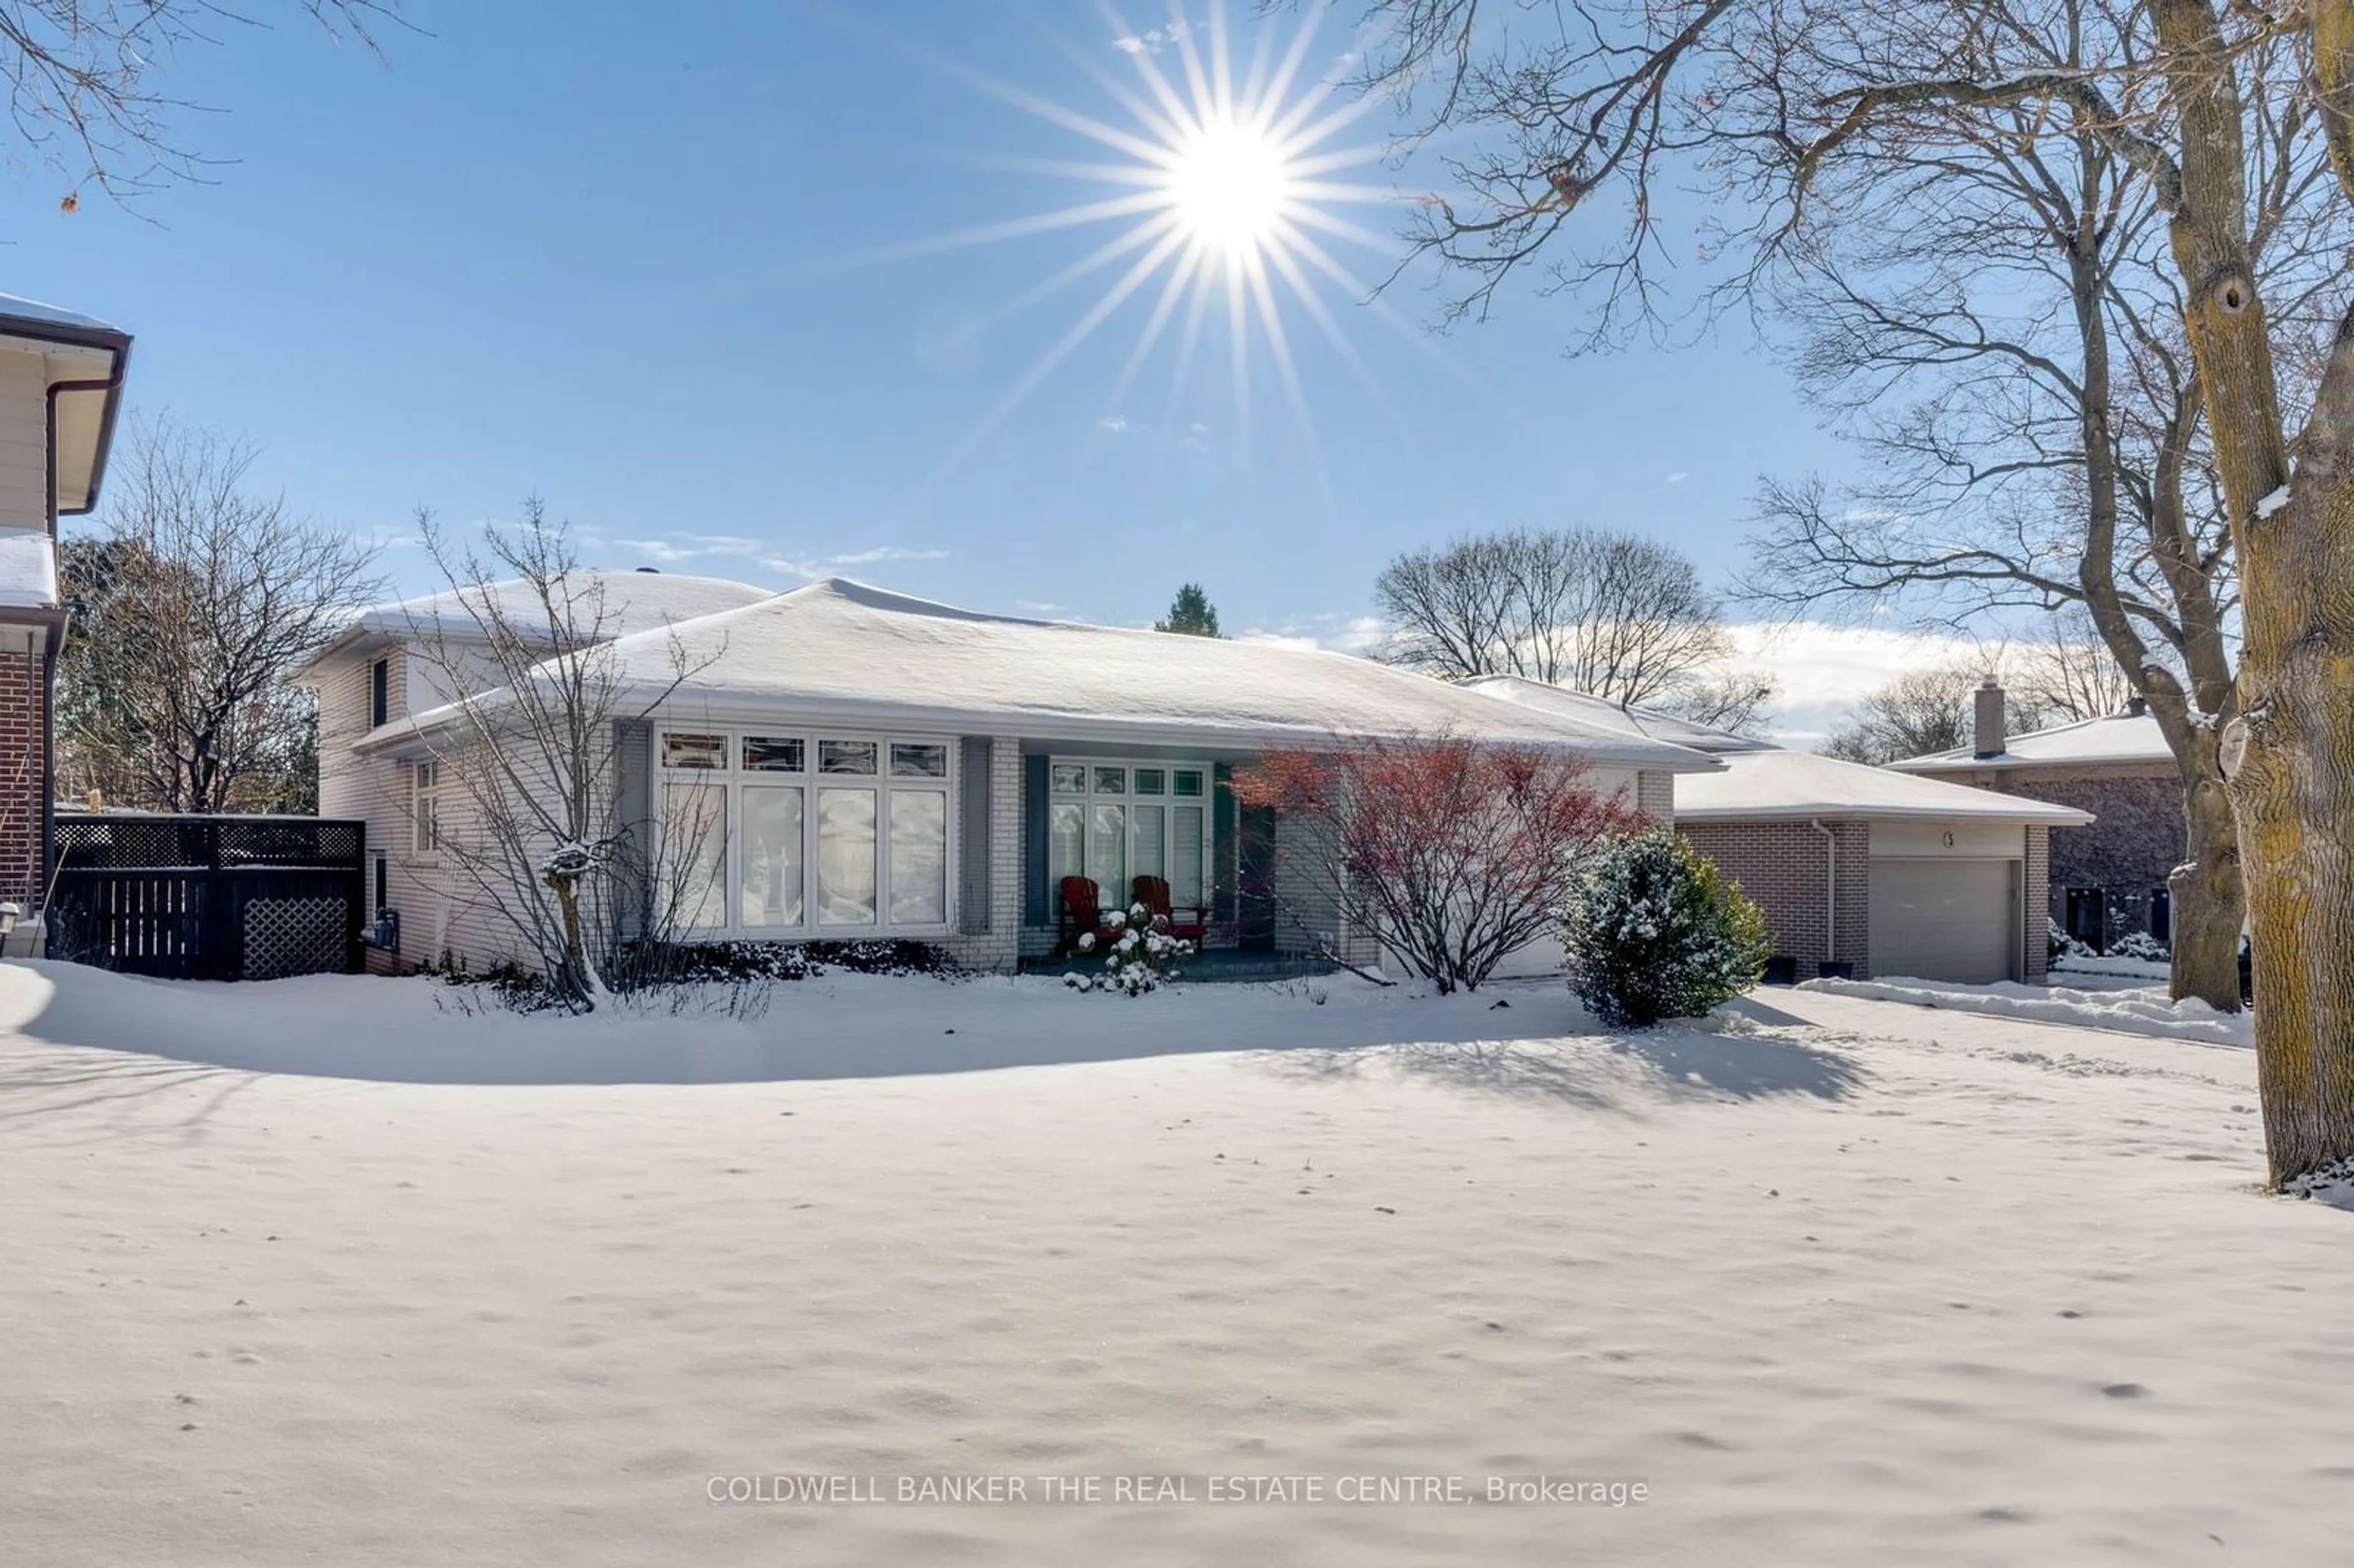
(1228, 188)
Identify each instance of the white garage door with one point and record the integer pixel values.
(1945, 919)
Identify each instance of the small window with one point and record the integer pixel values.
(379, 693)
(845, 757)
(426, 836)
(1188, 781)
(383, 882)
(1152, 781)
(914, 761)
(694, 750)
(1070, 778)
(1111, 780)
(765, 754)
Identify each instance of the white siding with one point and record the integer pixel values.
(23, 441)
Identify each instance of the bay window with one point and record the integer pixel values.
(779, 835)
(1114, 821)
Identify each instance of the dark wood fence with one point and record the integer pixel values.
(222, 897)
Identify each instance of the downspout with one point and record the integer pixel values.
(1830, 889)
(112, 382)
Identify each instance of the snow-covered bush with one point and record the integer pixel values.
(1654, 930)
(1138, 955)
(2140, 945)
(2059, 944)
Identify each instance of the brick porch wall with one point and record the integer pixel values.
(2038, 871)
(23, 783)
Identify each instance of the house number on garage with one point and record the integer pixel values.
(1949, 839)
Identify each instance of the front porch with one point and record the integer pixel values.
(1241, 965)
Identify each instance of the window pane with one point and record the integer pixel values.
(1070, 778)
(429, 774)
(1185, 856)
(1111, 780)
(695, 830)
(908, 761)
(919, 857)
(1067, 840)
(845, 856)
(1107, 853)
(694, 750)
(845, 757)
(1152, 781)
(1152, 827)
(1188, 781)
(768, 754)
(768, 860)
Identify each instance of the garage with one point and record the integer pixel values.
(1944, 919)
(1863, 873)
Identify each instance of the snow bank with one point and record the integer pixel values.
(2142, 1011)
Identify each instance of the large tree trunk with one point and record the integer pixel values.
(2207, 902)
(2292, 789)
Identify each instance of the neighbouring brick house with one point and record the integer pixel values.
(2108, 878)
(60, 387)
(1857, 869)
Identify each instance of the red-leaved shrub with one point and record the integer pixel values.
(1453, 853)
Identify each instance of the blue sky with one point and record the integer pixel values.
(646, 273)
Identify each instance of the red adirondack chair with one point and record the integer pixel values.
(1191, 924)
(1082, 913)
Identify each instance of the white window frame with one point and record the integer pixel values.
(426, 788)
(1127, 797)
(733, 778)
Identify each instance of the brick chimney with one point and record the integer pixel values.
(1991, 741)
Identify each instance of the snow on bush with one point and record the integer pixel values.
(1654, 930)
(2140, 945)
(1139, 953)
(2059, 944)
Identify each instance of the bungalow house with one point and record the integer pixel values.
(886, 767)
(2108, 879)
(60, 389)
(1857, 870)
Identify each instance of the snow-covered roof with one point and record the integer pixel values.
(2118, 738)
(28, 569)
(840, 648)
(1775, 783)
(635, 602)
(1560, 701)
(33, 312)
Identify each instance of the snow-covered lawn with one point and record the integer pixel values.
(314, 1272)
(2127, 1005)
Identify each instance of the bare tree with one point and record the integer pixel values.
(82, 89)
(1612, 614)
(1919, 712)
(523, 646)
(187, 618)
(1453, 855)
(2066, 677)
(1774, 104)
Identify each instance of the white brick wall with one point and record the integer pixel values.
(999, 950)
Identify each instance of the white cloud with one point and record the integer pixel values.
(1153, 40)
(1822, 671)
(1336, 632)
(1116, 423)
(1678, 477)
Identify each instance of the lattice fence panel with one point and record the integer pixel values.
(294, 936)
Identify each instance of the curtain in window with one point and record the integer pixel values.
(845, 857)
(919, 857)
(1185, 856)
(694, 837)
(768, 857)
